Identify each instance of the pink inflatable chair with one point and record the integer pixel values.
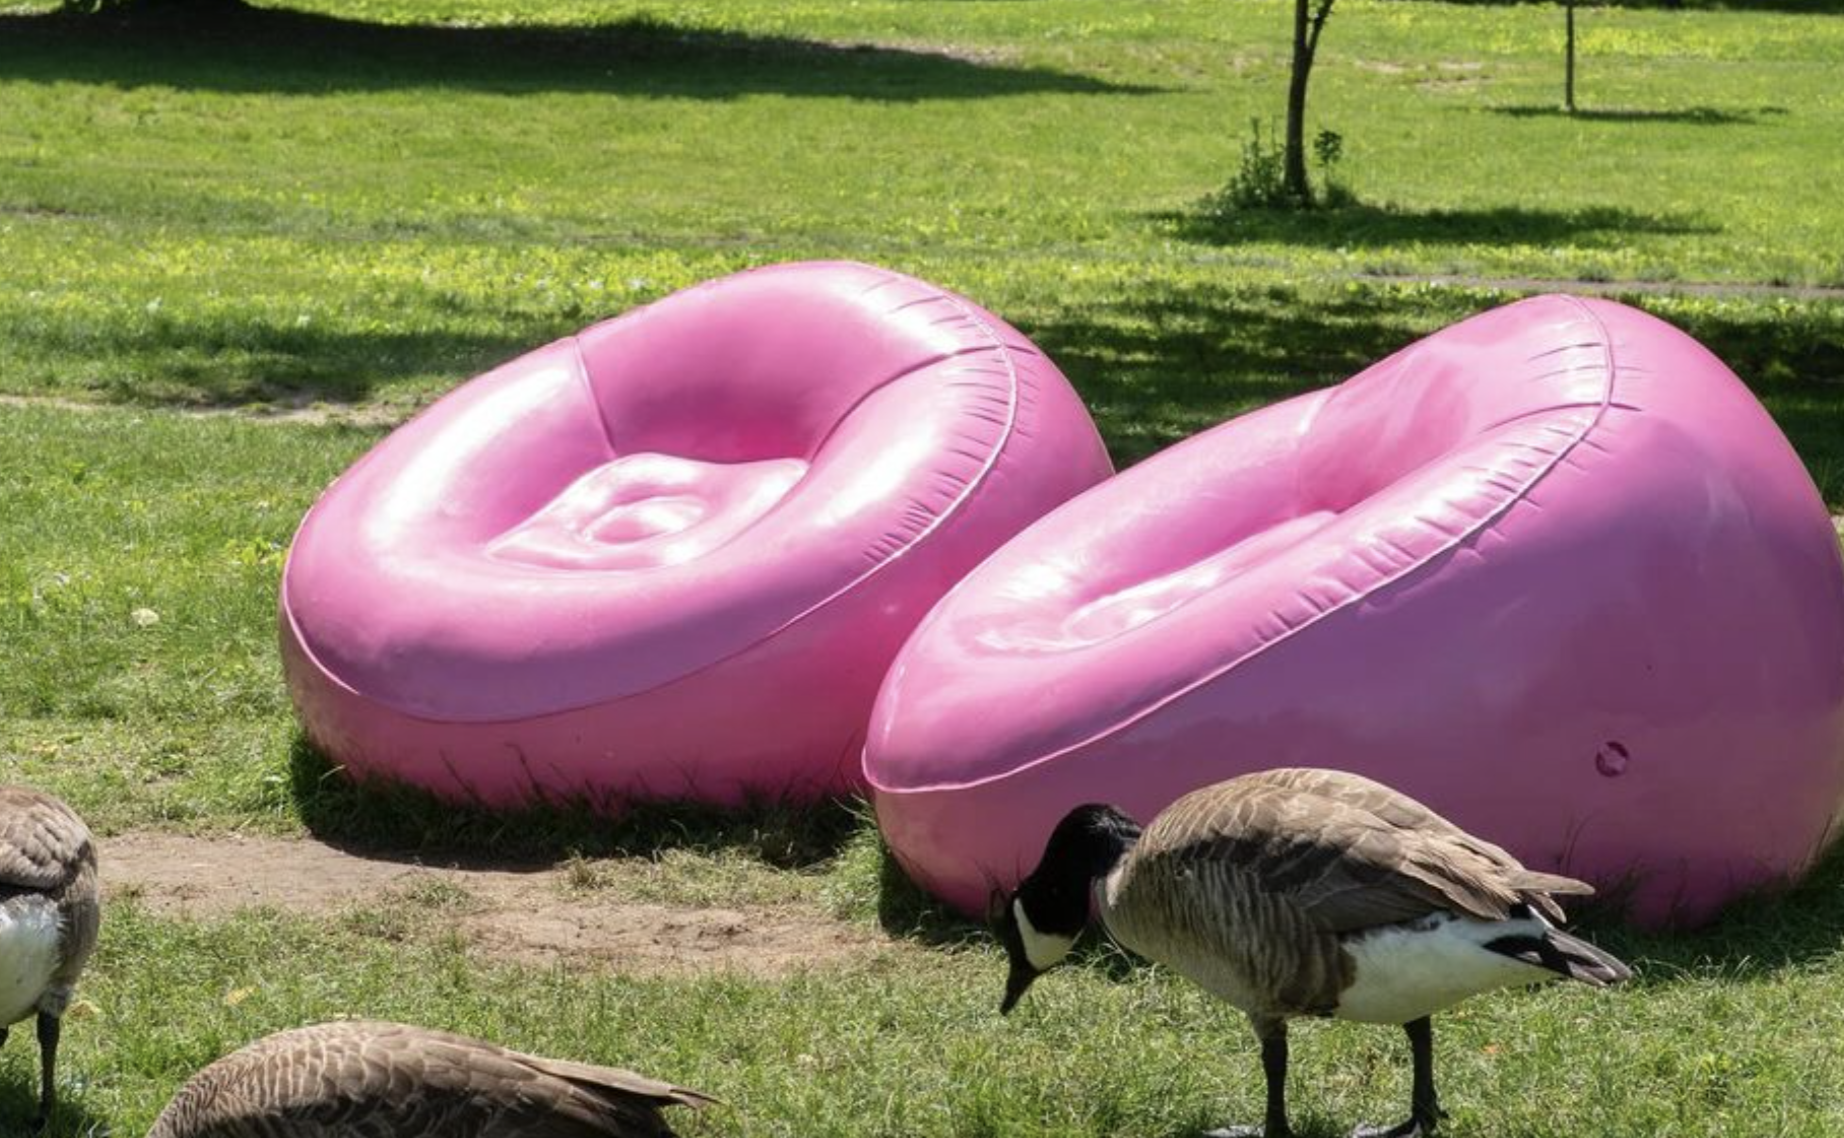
(1553, 571)
(673, 556)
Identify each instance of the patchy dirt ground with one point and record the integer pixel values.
(536, 915)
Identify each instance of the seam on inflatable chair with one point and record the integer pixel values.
(327, 674)
(894, 377)
(1013, 383)
(582, 376)
(1445, 547)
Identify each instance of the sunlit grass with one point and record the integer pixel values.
(1731, 1031)
(355, 216)
(225, 217)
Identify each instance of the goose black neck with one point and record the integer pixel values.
(1088, 843)
(1091, 840)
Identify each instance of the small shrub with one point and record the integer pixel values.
(1259, 182)
(1329, 149)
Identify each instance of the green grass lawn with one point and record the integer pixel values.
(343, 207)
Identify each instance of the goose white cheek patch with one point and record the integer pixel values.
(1041, 949)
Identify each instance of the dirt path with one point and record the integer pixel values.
(530, 915)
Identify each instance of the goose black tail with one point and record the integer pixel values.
(1566, 956)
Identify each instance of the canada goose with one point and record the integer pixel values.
(1303, 893)
(49, 913)
(391, 1080)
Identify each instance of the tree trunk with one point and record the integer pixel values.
(1568, 72)
(1293, 177)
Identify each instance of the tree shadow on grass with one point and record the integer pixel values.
(1175, 357)
(1800, 7)
(1370, 225)
(391, 821)
(1695, 116)
(1792, 357)
(277, 50)
(177, 362)
(1168, 358)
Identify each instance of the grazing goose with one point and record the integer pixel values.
(389, 1080)
(1303, 893)
(49, 913)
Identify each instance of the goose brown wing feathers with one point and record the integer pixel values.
(1349, 852)
(1405, 813)
(46, 850)
(615, 1079)
(388, 1080)
(43, 844)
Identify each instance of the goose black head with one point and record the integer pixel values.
(1041, 919)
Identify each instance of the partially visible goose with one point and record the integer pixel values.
(50, 910)
(1304, 893)
(363, 1079)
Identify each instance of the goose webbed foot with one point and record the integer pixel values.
(1249, 1132)
(1417, 1126)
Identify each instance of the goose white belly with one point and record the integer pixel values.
(29, 951)
(1405, 972)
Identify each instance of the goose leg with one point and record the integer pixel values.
(1273, 1036)
(1425, 1111)
(49, 1027)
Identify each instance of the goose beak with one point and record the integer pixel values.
(1016, 981)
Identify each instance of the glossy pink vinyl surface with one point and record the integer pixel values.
(673, 555)
(1553, 571)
